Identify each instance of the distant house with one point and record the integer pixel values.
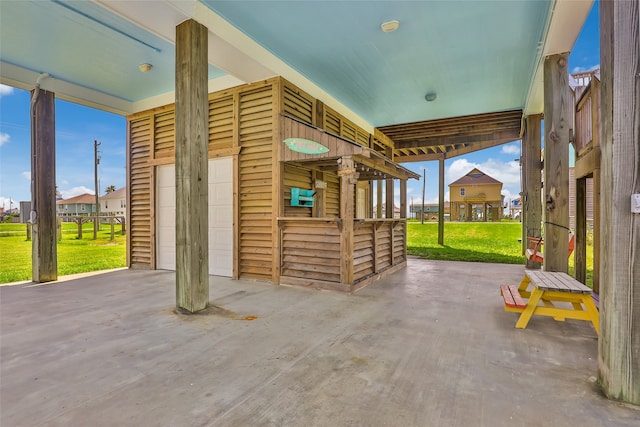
(430, 210)
(476, 197)
(82, 205)
(114, 203)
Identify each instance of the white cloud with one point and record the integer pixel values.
(576, 70)
(5, 90)
(26, 175)
(512, 149)
(4, 138)
(8, 203)
(506, 172)
(75, 191)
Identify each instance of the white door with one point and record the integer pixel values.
(220, 217)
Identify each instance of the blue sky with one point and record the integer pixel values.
(77, 127)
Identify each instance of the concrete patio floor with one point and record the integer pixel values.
(427, 346)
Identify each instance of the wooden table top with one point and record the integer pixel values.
(556, 281)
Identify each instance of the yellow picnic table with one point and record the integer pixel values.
(549, 289)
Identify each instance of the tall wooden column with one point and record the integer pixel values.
(403, 198)
(192, 246)
(580, 251)
(44, 264)
(441, 201)
(389, 189)
(379, 198)
(532, 183)
(619, 346)
(348, 180)
(557, 122)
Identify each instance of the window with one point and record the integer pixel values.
(82, 207)
(462, 191)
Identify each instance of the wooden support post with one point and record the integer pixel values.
(113, 229)
(557, 122)
(619, 346)
(29, 227)
(532, 183)
(389, 190)
(348, 180)
(441, 201)
(379, 198)
(580, 251)
(596, 230)
(44, 251)
(192, 248)
(403, 198)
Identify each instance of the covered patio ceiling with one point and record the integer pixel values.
(482, 60)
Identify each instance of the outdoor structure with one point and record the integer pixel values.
(114, 203)
(395, 96)
(82, 205)
(271, 231)
(476, 197)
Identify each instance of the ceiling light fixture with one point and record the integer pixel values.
(145, 68)
(431, 96)
(390, 26)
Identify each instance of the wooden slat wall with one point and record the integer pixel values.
(164, 134)
(256, 206)
(383, 247)
(221, 122)
(332, 206)
(399, 242)
(336, 123)
(297, 103)
(139, 203)
(300, 178)
(311, 250)
(364, 254)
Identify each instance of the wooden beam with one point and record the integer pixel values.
(441, 201)
(348, 181)
(379, 198)
(43, 246)
(619, 346)
(531, 183)
(389, 190)
(557, 122)
(451, 151)
(403, 198)
(192, 244)
(580, 251)
(467, 139)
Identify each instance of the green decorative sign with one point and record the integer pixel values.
(305, 146)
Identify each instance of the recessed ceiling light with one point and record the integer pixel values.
(390, 26)
(431, 96)
(145, 68)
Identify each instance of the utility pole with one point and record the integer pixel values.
(96, 162)
(424, 186)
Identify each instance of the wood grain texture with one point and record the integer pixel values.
(531, 183)
(558, 111)
(191, 148)
(44, 249)
(619, 347)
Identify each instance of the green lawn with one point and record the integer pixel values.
(477, 242)
(467, 241)
(463, 241)
(74, 255)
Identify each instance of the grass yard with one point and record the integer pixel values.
(477, 242)
(467, 241)
(74, 255)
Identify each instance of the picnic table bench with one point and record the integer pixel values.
(549, 289)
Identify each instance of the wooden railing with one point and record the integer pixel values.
(311, 248)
